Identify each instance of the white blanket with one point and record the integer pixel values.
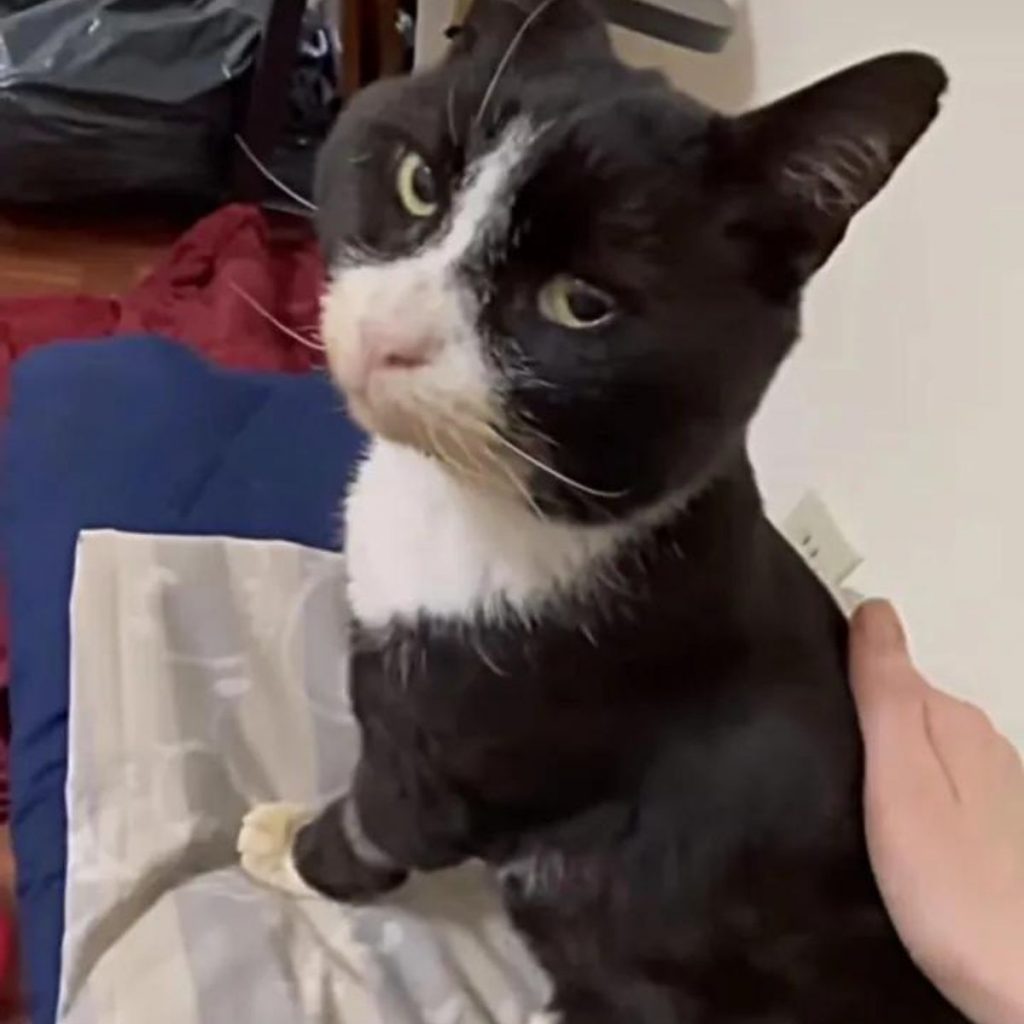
(209, 675)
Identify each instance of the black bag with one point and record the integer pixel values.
(104, 98)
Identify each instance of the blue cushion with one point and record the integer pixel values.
(134, 434)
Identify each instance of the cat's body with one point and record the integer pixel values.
(660, 757)
(581, 652)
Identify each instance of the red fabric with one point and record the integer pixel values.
(190, 297)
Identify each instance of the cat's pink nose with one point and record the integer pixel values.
(384, 348)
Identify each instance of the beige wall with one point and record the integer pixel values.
(905, 403)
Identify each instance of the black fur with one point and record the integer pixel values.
(668, 774)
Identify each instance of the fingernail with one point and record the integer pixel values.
(880, 626)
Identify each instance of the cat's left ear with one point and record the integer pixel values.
(800, 169)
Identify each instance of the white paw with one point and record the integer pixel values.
(265, 847)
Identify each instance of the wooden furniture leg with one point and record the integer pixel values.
(371, 43)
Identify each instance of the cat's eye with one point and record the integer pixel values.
(570, 302)
(417, 186)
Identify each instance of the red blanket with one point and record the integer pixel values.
(192, 296)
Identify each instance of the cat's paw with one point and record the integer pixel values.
(265, 846)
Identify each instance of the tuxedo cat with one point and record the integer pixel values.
(558, 291)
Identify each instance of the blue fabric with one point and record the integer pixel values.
(135, 434)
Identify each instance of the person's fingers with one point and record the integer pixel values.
(877, 628)
(892, 702)
(882, 675)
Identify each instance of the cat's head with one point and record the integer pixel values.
(570, 282)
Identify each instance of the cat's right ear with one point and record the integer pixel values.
(530, 32)
(800, 169)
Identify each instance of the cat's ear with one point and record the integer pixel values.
(802, 167)
(539, 31)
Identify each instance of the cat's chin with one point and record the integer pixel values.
(460, 458)
(390, 423)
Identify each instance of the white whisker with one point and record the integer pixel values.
(442, 453)
(479, 475)
(284, 328)
(529, 424)
(544, 468)
(519, 486)
(478, 471)
(503, 63)
(483, 655)
(355, 252)
(271, 177)
(485, 432)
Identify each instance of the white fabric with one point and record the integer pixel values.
(209, 675)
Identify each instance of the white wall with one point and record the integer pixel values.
(905, 403)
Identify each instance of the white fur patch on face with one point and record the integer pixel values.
(420, 299)
(421, 541)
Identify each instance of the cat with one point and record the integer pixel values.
(558, 293)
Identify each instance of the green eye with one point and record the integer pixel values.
(416, 186)
(570, 302)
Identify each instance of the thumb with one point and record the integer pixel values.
(882, 674)
(877, 628)
(891, 697)
(879, 657)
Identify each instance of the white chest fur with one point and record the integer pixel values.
(418, 541)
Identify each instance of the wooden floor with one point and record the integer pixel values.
(49, 253)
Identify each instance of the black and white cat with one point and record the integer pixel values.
(558, 292)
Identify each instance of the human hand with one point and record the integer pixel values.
(944, 807)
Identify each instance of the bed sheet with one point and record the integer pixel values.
(209, 675)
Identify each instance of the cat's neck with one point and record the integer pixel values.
(421, 542)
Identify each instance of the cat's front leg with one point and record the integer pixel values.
(398, 816)
(287, 848)
(265, 846)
